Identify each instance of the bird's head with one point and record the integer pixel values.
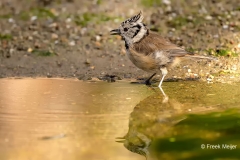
(132, 30)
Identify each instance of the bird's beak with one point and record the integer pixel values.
(115, 32)
(120, 139)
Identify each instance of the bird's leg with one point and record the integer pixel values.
(160, 84)
(164, 73)
(147, 82)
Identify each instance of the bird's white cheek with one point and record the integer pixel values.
(140, 35)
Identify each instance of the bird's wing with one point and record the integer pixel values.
(154, 42)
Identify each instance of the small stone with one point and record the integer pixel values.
(234, 67)
(83, 31)
(11, 20)
(167, 2)
(208, 17)
(49, 75)
(98, 45)
(225, 26)
(37, 45)
(33, 18)
(190, 18)
(87, 61)
(209, 79)
(72, 43)
(30, 50)
(98, 38)
(68, 26)
(30, 38)
(54, 36)
(53, 25)
(168, 8)
(216, 36)
(68, 20)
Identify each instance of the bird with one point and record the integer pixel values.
(148, 50)
(136, 142)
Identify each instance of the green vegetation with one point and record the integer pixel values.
(99, 2)
(86, 18)
(39, 12)
(180, 21)
(43, 53)
(5, 16)
(5, 36)
(151, 3)
(221, 52)
(191, 50)
(213, 128)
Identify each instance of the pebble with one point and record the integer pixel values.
(83, 31)
(53, 25)
(208, 17)
(54, 36)
(98, 38)
(216, 36)
(29, 50)
(11, 20)
(68, 20)
(234, 67)
(167, 2)
(225, 26)
(72, 43)
(98, 45)
(33, 18)
(87, 61)
(30, 38)
(37, 45)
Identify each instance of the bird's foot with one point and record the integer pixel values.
(165, 99)
(147, 82)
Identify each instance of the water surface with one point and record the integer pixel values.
(70, 119)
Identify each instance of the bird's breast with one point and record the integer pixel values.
(144, 62)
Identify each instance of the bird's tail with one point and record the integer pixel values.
(201, 57)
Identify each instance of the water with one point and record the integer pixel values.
(68, 119)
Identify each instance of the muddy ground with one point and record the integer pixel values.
(67, 38)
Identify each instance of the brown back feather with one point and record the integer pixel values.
(154, 42)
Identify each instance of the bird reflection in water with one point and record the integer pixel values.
(149, 120)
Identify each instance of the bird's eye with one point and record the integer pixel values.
(125, 29)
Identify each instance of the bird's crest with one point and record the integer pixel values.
(137, 18)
